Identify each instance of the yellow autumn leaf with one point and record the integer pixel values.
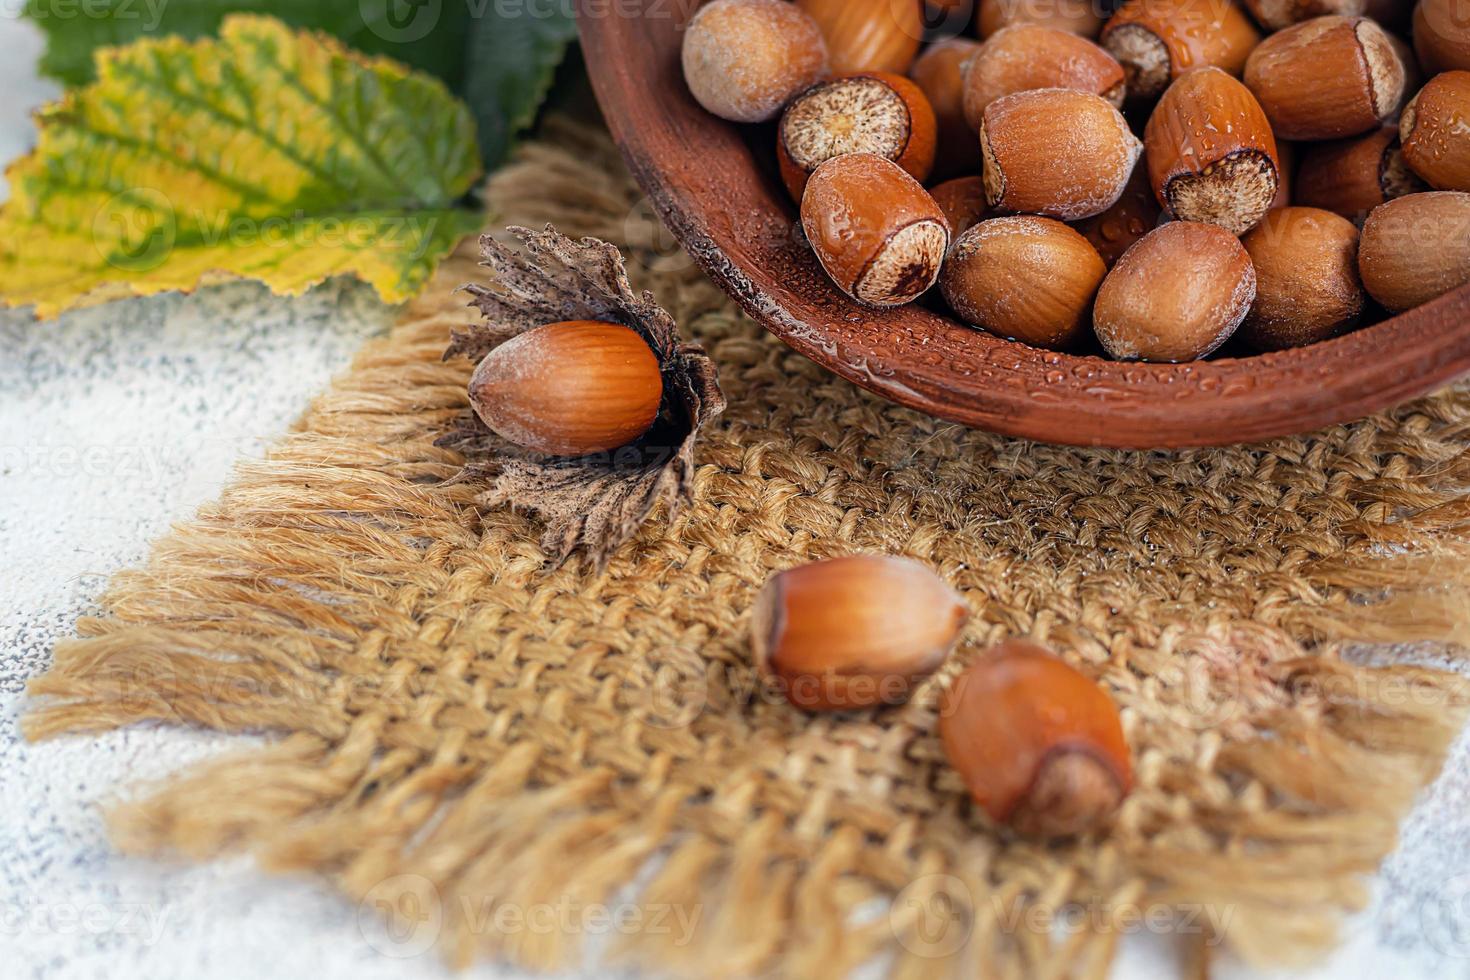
(267, 153)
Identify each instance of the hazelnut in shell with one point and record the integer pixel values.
(569, 389)
(1135, 214)
(1276, 15)
(1056, 152)
(743, 59)
(1024, 278)
(1307, 285)
(1156, 41)
(870, 112)
(1435, 131)
(1176, 295)
(1416, 248)
(1353, 176)
(1326, 78)
(1031, 56)
(1442, 35)
(1080, 17)
(854, 632)
(963, 202)
(940, 72)
(875, 230)
(1039, 745)
(869, 35)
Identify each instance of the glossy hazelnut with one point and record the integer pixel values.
(1326, 78)
(1031, 56)
(1275, 15)
(940, 72)
(1039, 745)
(875, 230)
(1416, 248)
(1176, 295)
(1024, 278)
(1435, 131)
(870, 112)
(1135, 214)
(1211, 155)
(1080, 17)
(570, 388)
(1307, 284)
(1442, 35)
(963, 202)
(1056, 152)
(1352, 177)
(854, 632)
(1156, 41)
(744, 58)
(869, 35)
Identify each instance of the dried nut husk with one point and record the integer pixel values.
(1435, 132)
(1056, 152)
(743, 59)
(875, 230)
(1176, 295)
(1326, 78)
(1156, 41)
(940, 72)
(1031, 56)
(1352, 177)
(963, 202)
(1135, 214)
(1442, 35)
(869, 35)
(1276, 15)
(869, 112)
(1211, 155)
(1416, 248)
(1307, 283)
(854, 632)
(1080, 17)
(1024, 278)
(1039, 745)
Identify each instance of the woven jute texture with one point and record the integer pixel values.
(465, 729)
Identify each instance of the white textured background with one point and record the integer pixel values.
(115, 422)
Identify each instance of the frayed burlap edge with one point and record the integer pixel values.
(389, 800)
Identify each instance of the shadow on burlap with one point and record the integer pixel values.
(464, 731)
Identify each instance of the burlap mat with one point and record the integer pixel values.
(465, 732)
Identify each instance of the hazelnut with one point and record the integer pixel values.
(570, 388)
(1326, 78)
(1136, 214)
(940, 72)
(1416, 248)
(1176, 295)
(875, 230)
(1275, 15)
(1211, 155)
(869, 35)
(1435, 132)
(1058, 152)
(1038, 744)
(1442, 35)
(1030, 56)
(1352, 177)
(854, 632)
(1078, 17)
(1024, 278)
(744, 58)
(870, 112)
(1156, 41)
(963, 202)
(1307, 285)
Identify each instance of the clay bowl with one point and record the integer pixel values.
(713, 184)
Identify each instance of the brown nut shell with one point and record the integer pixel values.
(869, 35)
(854, 632)
(570, 388)
(743, 59)
(1056, 152)
(1080, 17)
(1435, 131)
(1156, 41)
(1352, 177)
(1031, 56)
(963, 202)
(875, 230)
(868, 112)
(1211, 155)
(1024, 278)
(1039, 745)
(1416, 248)
(1442, 35)
(1326, 78)
(1176, 295)
(1277, 15)
(1307, 284)
(1136, 213)
(940, 73)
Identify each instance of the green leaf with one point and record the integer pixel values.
(268, 154)
(426, 34)
(510, 65)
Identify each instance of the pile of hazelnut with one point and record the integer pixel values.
(1124, 167)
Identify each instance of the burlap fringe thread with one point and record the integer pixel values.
(508, 737)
